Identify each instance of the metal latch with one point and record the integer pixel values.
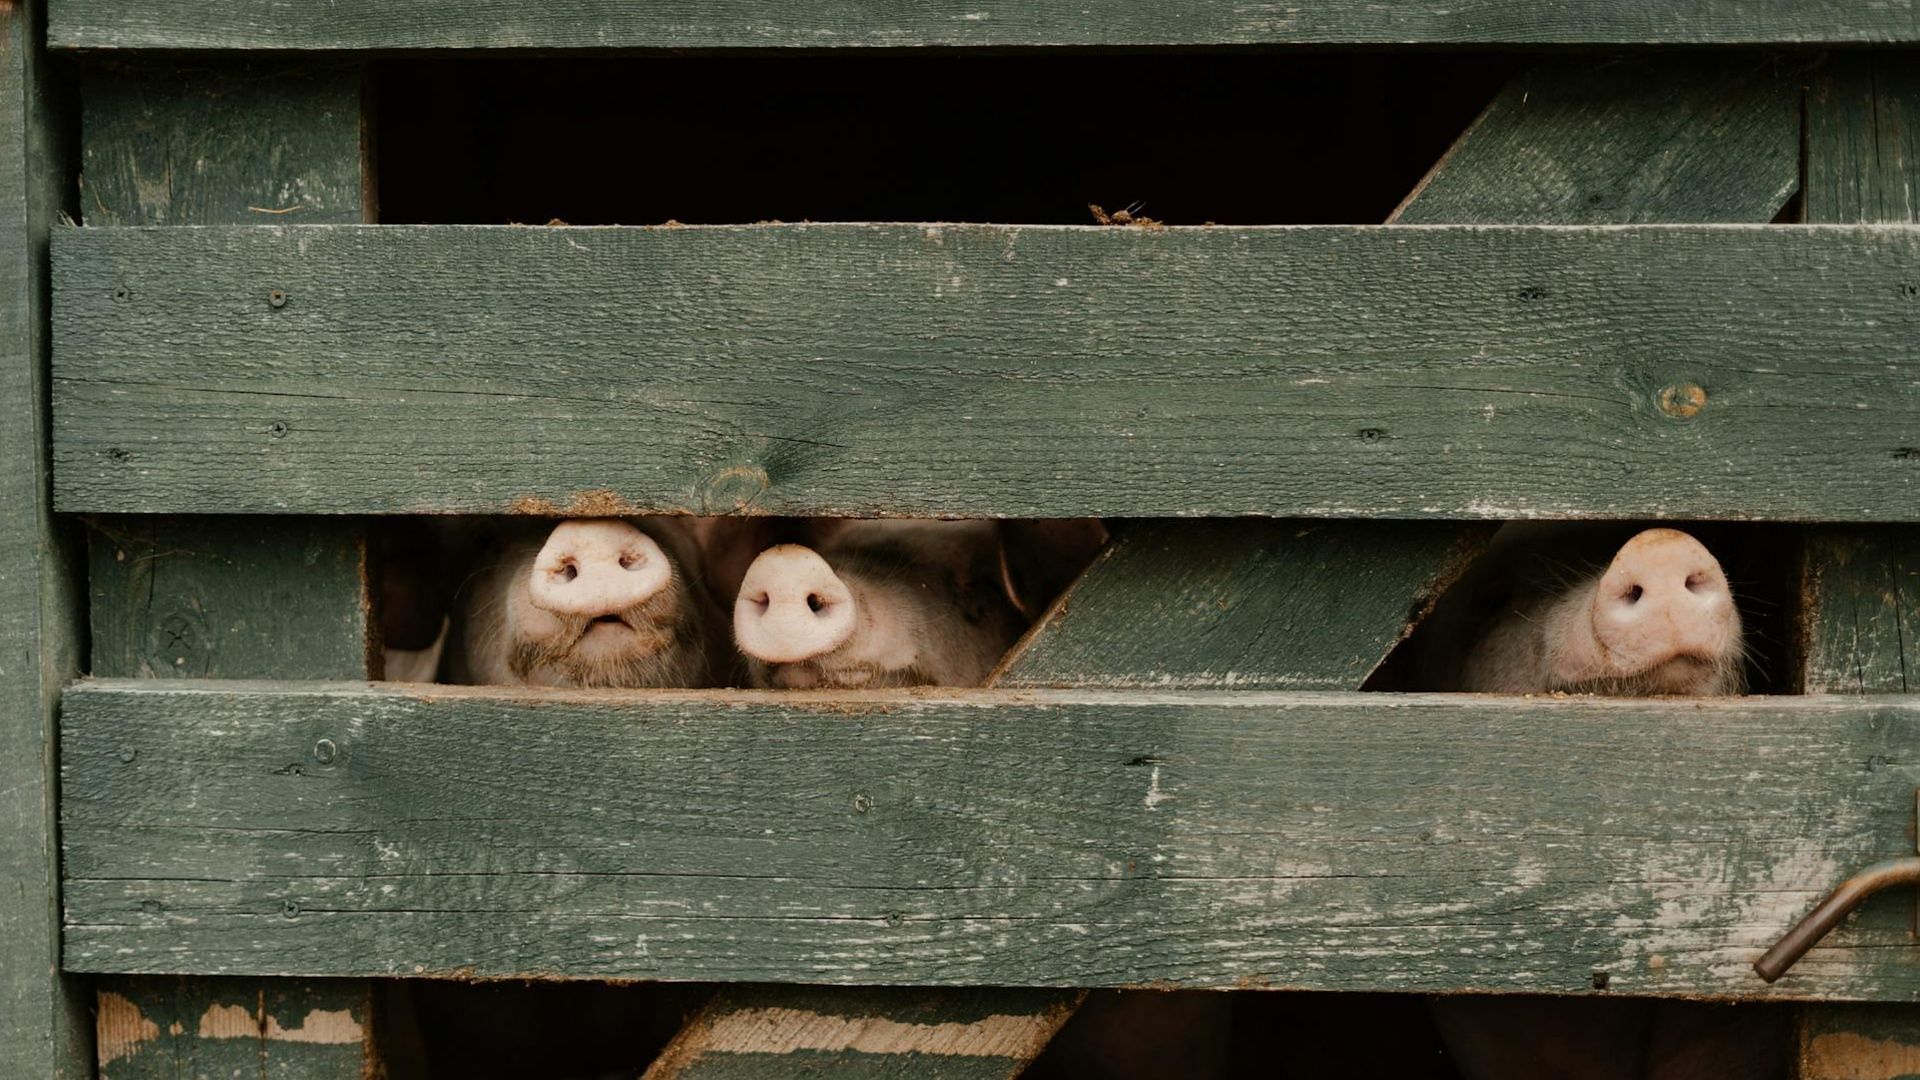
(1808, 931)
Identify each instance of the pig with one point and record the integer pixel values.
(600, 602)
(1658, 618)
(869, 604)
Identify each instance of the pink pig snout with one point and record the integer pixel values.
(792, 607)
(1664, 596)
(591, 569)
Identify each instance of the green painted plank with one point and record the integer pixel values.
(1863, 139)
(1862, 589)
(229, 145)
(216, 597)
(1861, 584)
(978, 370)
(186, 1028)
(43, 1017)
(1314, 840)
(777, 1031)
(1610, 140)
(1250, 605)
(629, 24)
(230, 598)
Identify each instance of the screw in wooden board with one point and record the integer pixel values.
(277, 298)
(894, 919)
(324, 751)
(290, 909)
(1683, 401)
(150, 907)
(122, 294)
(127, 754)
(862, 804)
(1602, 980)
(278, 429)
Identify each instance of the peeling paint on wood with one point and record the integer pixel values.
(1480, 372)
(176, 1028)
(1323, 840)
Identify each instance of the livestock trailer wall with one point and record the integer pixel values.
(1671, 271)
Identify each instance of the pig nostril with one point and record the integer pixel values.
(1696, 582)
(631, 560)
(763, 601)
(567, 572)
(1633, 594)
(814, 603)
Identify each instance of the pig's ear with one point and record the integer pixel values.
(1039, 559)
(728, 545)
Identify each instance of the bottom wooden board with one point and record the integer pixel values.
(1038, 838)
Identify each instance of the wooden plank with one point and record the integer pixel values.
(1250, 605)
(1862, 584)
(1610, 140)
(261, 142)
(1862, 587)
(629, 24)
(176, 1028)
(978, 370)
(774, 1031)
(230, 598)
(43, 1015)
(215, 597)
(1207, 839)
(1859, 1042)
(1863, 139)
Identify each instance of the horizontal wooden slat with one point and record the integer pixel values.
(1643, 371)
(1331, 841)
(631, 24)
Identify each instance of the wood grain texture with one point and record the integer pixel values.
(1585, 140)
(769, 1032)
(261, 142)
(1331, 841)
(1862, 584)
(1251, 605)
(629, 24)
(1859, 1042)
(180, 1028)
(1863, 609)
(44, 1030)
(1863, 139)
(214, 597)
(975, 370)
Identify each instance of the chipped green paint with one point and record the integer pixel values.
(1323, 840)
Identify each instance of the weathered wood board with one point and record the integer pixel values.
(1640, 371)
(630, 24)
(185, 1028)
(43, 1016)
(940, 1032)
(262, 142)
(1861, 583)
(215, 597)
(1585, 140)
(1249, 605)
(1322, 840)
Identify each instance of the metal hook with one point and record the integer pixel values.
(1821, 920)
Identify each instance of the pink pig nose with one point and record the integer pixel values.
(1663, 596)
(791, 607)
(596, 568)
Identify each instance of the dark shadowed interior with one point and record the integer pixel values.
(1234, 138)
